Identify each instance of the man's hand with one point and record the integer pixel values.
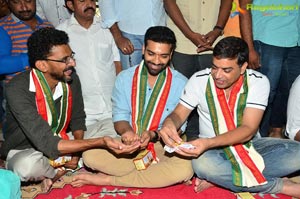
(169, 134)
(73, 163)
(129, 138)
(254, 61)
(118, 147)
(200, 41)
(200, 146)
(145, 139)
(125, 45)
(210, 38)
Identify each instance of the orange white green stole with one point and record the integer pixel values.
(147, 116)
(226, 115)
(46, 105)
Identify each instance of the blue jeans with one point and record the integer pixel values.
(287, 78)
(136, 57)
(281, 157)
(273, 60)
(188, 65)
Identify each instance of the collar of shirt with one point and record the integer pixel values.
(58, 89)
(17, 20)
(73, 20)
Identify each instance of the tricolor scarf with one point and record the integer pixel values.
(148, 117)
(46, 105)
(226, 115)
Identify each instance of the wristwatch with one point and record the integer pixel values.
(155, 138)
(221, 29)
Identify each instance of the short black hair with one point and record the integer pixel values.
(41, 42)
(66, 5)
(160, 34)
(232, 48)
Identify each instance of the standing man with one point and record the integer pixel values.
(98, 62)
(54, 11)
(14, 32)
(41, 105)
(143, 96)
(273, 37)
(197, 25)
(128, 21)
(231, 100)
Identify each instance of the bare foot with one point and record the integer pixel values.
(59, 174)
(46, 185)
(290, 188)
(90, 179)
(188, 182)
(201, 185)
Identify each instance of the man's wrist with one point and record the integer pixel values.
(219, 29)
(155, 137)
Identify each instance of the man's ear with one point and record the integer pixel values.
(244, 67)
(41, 65)
(171, 54)
(143, 49)
(70, 6)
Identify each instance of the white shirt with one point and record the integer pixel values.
(52, 10)
(194, 96)
(96, 52)
(133, 16)
(293, 110)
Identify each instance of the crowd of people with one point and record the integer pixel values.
(146, 76)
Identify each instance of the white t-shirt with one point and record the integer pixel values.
(194, 96)
(293, 110)
(96, 52)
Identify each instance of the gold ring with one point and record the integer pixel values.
(124, 48)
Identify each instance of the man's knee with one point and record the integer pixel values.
(28, 165)
(205, 169)
(182, 169)
(90, 159)
(187, 171)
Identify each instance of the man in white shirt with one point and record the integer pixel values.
(54, 11)
(98, 62)
(128, 21)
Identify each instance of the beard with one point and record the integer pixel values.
(25, 15)
(61, 76)
(155, 72)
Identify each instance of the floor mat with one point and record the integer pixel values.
(63, 190)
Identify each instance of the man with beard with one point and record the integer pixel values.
(14, 32)
(143, 96)
(97, 73)
(42, 104)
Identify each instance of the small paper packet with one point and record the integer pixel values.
(60, 161)
(183, 145)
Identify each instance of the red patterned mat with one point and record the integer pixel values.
(63, 190)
